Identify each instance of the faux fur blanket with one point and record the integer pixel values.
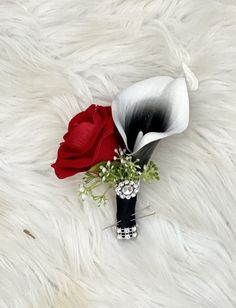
(58, 57)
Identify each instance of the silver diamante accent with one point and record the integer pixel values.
(127, 189)
(118, 230)
(126, 233)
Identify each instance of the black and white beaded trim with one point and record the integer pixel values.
(127, 189)
(126, 233)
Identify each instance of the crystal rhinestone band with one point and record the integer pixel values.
(127, 189)
(126, 233)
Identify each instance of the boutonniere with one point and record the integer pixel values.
(113, 145)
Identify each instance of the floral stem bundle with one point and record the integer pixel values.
(113, 145)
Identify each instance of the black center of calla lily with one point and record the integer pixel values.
(148, 116)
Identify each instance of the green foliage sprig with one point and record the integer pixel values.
(123, 167)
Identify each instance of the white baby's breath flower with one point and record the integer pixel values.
(108, 163)
(83, 197)
(82, 189)
(116, 151)
(115, 158)
(104, 169)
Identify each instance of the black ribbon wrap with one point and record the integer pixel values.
(125, 215)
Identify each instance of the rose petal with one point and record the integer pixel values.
(82, 116)
(83, 136)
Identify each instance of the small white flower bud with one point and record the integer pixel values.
(115, 158)
(83, 197)
(108, 163)
(116, 151)
(103, 178)
(81, 188)
(104, 169)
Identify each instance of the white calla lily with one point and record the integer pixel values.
(150, 110)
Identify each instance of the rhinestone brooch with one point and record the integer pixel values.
(127, 189)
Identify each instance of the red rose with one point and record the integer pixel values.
(91, 138)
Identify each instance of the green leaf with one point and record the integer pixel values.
(96, 168)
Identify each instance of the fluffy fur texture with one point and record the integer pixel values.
(56, 58)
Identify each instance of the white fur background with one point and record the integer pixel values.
(56, 58)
